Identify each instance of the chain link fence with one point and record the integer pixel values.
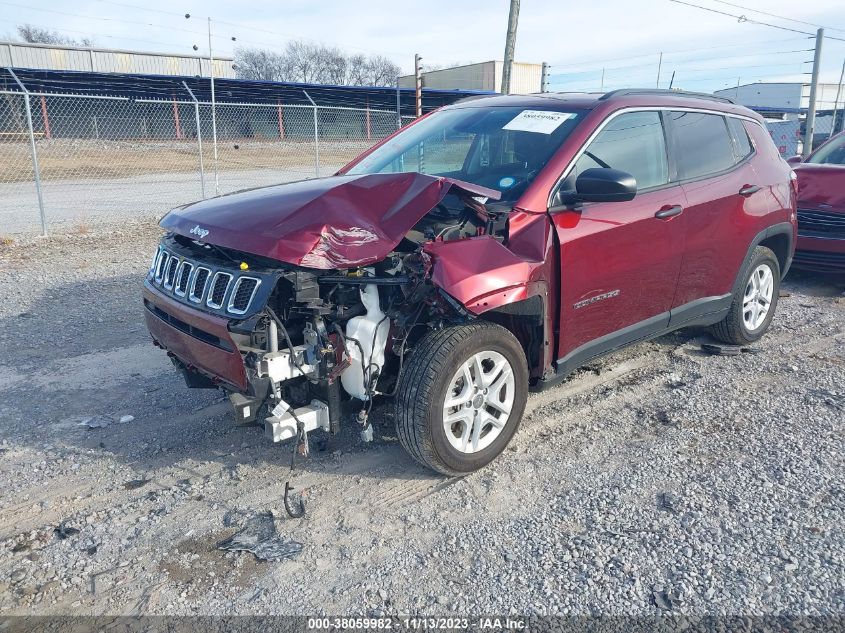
(106, 159)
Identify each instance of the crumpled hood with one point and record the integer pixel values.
(821, 186)
(335, 222)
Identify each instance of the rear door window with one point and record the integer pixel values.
(742, 145)
(704, 145)
(633, 142)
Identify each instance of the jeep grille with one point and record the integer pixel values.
(222, 291)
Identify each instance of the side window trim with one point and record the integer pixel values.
(671, 146)
(740, 159)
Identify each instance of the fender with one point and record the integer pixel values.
(488, 279)
(482, 274)
(786, 229)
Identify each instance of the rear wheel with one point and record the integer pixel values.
(461, 397)
(754, 302)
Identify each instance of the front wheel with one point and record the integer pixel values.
(461, 397)
(754, 301)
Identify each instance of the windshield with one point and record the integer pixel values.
(831, 154)
(499, 148)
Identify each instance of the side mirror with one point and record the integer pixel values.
(603, 184)
(794, 160)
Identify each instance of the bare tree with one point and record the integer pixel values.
(380, 71)
(38, 35)
(314, 63)
(253, 63)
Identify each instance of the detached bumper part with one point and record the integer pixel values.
(282, 427)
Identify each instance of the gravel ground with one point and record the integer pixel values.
(656, 481)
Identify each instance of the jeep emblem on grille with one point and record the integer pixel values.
(198, 230)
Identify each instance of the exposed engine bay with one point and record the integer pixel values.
(317, 342)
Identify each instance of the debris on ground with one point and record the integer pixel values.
(667, 502)
(101, 421)
(259, 536)
(717, 349)
(664, 418)
(97, 421)
(298, 511)
(663, 599)
(134, 484)
(64, 531)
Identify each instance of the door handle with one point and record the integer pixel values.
(748, 190)
(669, 212)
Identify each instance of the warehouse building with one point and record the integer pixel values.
(784, 98)
(109, 60)
(784, 106)
(484, 76)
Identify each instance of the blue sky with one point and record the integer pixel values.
(706, 51)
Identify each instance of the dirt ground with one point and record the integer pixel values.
(656, 480)
(84, 159)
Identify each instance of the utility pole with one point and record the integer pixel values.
(510, 45)
(810, 123)
(601, 88)
(418, 83)
(836, 101)
(659, 67)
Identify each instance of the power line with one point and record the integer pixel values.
(678, 52)
(779, 17)
(94, 17)
(739, 18)
(236, 25)
(86, 33)
(679, 64)
(743, 18)
(134, 6)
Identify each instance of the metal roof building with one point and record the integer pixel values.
(787, 97)
(486, 76)
(109, 60)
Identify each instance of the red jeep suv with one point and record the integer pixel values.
(821, 207)
(486, 250)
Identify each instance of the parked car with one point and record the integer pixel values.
(821, 207)
(485, 250)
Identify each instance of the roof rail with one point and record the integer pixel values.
(662, 91)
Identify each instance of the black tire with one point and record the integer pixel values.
(423, 388)
(733, 329)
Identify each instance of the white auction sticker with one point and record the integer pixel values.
(542, 121)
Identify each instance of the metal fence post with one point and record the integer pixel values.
(316, 137)
(199, 137)
(33, 152)
(398, 106)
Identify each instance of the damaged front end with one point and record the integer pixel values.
(298, 302)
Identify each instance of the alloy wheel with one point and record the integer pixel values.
(478, 402)
(758, 297)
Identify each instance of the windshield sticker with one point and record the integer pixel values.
(541, 121)
(507, 182)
